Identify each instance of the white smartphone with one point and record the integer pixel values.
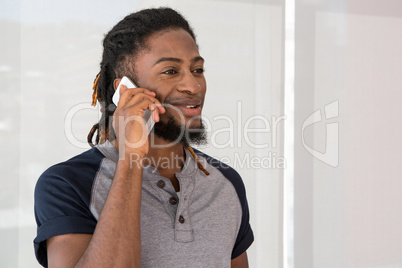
(149, 122)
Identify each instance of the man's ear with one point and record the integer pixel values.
(116, 83)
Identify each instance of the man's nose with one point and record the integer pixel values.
(188, 83)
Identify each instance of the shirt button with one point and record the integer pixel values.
(181, 219)
(161, 184)
(173, 201)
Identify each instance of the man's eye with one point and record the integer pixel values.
(170, 71)
(199, 70)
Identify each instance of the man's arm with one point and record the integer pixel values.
(116, 241)
(66, 250)
(240, 261)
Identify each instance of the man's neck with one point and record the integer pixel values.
(167, 157)
(164, 154)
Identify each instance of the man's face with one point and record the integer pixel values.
(173, 68)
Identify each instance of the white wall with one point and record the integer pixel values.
(348, 52)
(347, 206)
(50, 55)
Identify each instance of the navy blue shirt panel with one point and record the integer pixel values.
(62, 207)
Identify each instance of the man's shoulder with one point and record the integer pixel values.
(214, 162)
(80, 165)
(227, 171)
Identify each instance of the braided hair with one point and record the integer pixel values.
(121, 45)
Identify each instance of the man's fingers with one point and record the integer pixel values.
(127, 93)
(129, 97)
(122, 89)
(135, 101)
(156, 109)
(140, 105)
(139, 97)
(135, 90)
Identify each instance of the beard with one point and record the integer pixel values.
(174, 132)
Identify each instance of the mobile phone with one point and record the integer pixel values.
(149, 122)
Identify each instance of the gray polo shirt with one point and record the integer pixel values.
(206, 227)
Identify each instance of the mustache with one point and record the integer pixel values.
(185, 101)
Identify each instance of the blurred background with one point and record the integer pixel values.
(304, 100)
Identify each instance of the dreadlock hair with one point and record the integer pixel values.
(121, 45)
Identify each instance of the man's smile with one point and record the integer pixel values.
(189, 107)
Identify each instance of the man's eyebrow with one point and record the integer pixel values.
(168, 59)
(198, 58)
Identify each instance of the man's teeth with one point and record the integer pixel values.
(191, 107)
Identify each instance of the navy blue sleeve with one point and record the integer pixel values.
(62, 197)
(245, 236)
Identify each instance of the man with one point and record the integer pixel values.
(145, 201)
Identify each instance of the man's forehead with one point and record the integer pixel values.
(170, 40)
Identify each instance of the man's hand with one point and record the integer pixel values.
(128, 122)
